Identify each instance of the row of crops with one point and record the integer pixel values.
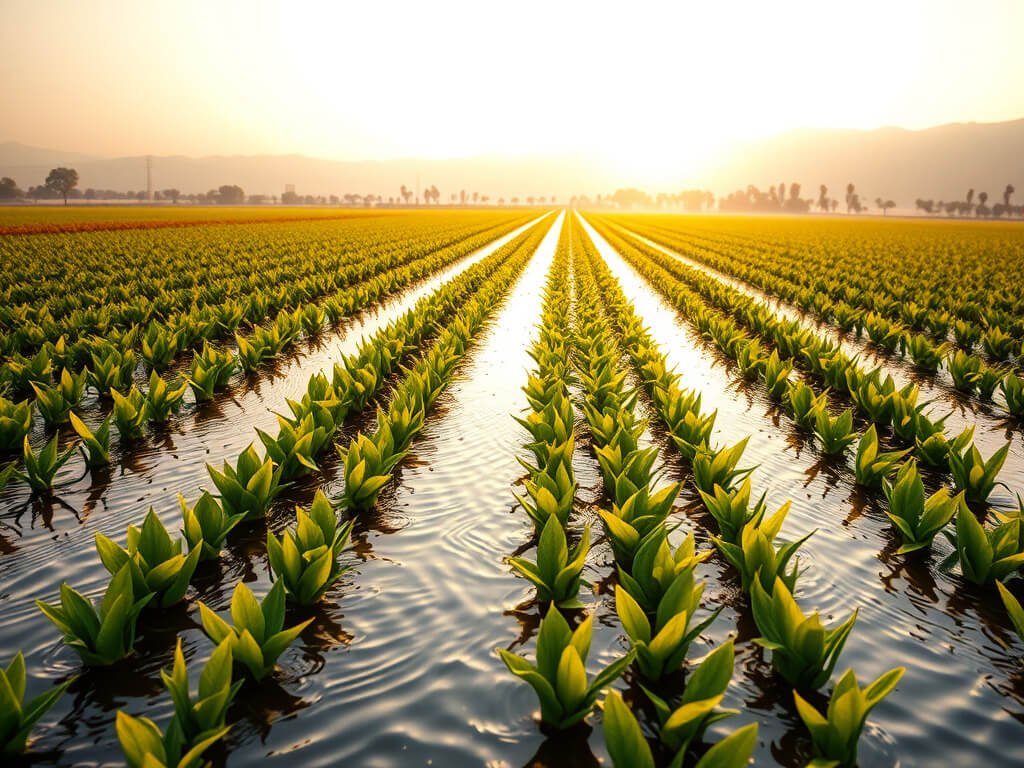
(668, 583)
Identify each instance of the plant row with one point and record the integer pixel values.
(803, 652)
(875, 398)
(904, 336)
(200, 280)
(303, 434)
(153, 569)
(59, 390)
(924, 276)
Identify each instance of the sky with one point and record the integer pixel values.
(638, 85)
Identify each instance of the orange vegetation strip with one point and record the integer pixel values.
(103, 226)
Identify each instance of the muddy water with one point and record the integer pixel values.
(961, 701)
(992, 428)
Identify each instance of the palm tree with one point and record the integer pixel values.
(1007, 194)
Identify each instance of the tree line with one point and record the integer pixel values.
(62, 183)
(968, 206)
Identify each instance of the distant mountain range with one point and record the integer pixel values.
(939, 163)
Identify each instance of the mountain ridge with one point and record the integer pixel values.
(940, 162)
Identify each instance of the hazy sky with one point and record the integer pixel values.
(637, 84)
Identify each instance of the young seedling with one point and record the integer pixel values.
(873, 466)
(835, 734)
(15, 424)
(258, 636)
(986, 555)
(130, 413)
(306, 561)
(836, 433)
(804, 653)
(206, 525)
(249, 487)
(713, 467)
(918, 519)
(975, 476)
(1013, 608)
(156, 561)
(198, 718)
(559, 677)
(698, 707)
(732, 510)
(628, 747)
(104, 636)
(17, 716)
(95, 445)
(756, 558)
(41, 468)
(557, 572)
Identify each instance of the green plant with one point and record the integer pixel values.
(660, 648)
(158, 346)
(1013, 608)
(1012, 387)
(997, 343)
(367, 464)
(627, 524)
(297, 444)
(775, 373)
(211, 370)
(130, 413)
(144, 746)
(198, 719)
(713, 467)
(249, 487)
(697, 709)
(732, 510)
(55, 403)
(874, 466)
(805, 404)
(662, 581)
(551, 487)
(986, 555)
(206, 525)
(306, 561)
(258, 636)
(15, 423)
(560, 677)
(41, 468)
(95, 445)
(975, 476)
(935, 450)
(99, 637)
(557, 572)
(17, 716)
(111, 369)
(803, 651)
(755, 556)
(835, 734)
(162, 399)
(835, 432)
(629, 749)
(156, 561)
(918, 519)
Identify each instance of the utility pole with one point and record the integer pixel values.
(149, 178)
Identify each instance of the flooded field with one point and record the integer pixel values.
(398, 664)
